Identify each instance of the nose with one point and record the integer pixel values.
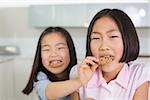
(103, 45)
(53, 53)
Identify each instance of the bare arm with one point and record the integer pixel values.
(85, 71)
(61, 89)
(141, 92)
(75, 96)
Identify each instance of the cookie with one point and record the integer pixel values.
(105, 60)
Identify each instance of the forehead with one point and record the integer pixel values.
(104, 24)
(53, 37)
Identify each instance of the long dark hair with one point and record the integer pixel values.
(127, 29)
(38, 66)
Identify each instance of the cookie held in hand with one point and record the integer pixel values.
(105, 60)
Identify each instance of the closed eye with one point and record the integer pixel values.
(114, 36)
(95, 38)
(45, 49)
(61, 47)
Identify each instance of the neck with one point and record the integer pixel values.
(108, 76)
(62, 76)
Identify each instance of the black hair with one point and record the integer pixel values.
(38, 66)
(127, 29)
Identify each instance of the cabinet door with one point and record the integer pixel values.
(41, 16)
(58, 15)
(6, 80)
(22, 70)
(138, 12)
(70, 15)
(92, 9)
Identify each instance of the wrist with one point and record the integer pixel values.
(79, 81)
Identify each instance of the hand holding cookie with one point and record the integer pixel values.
(87, 69)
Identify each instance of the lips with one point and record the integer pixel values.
(105, 59)
(55, 63)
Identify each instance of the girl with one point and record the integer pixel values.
(112, 43)
(55, 56)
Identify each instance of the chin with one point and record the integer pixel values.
(56, 72)
(107, 68)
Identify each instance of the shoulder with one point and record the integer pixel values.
(42, 79)
(42, 82)
(41, 76)
(74, 72)
(138, 68)
(134, 67)
(139, 72)
(41, 85)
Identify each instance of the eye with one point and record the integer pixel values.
(114, 36)
(95, 38)
(45, 49)
(60, 48)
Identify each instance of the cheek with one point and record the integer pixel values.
(66, 57)
(94, 49)
(44, 59)
(119, 51)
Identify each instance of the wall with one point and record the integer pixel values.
(15, 29)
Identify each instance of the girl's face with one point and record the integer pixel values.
(55, 53)
(106, 40)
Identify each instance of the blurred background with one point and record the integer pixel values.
(22, 21)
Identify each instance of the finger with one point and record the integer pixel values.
(92, 58)
(89, 62)
(91, 65)
(83, 67)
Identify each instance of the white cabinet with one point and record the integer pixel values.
(6, 80)
(80, 15)
(138, 12)
(92, 9)
(14, 75)
(58, 15)
(22, 70)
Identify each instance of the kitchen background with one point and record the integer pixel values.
(21, 23)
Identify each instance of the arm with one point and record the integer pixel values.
(141, 92)
(85, 71)
(64, 88)
(75, 96)
(61, 89)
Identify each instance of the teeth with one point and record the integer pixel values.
(55, 64)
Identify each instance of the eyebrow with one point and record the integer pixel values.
(112, 30)
(96, 32)
(46, 45)
(109, 31)
(60, 44)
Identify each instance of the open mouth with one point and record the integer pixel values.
(103, 60)
(55, 63)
